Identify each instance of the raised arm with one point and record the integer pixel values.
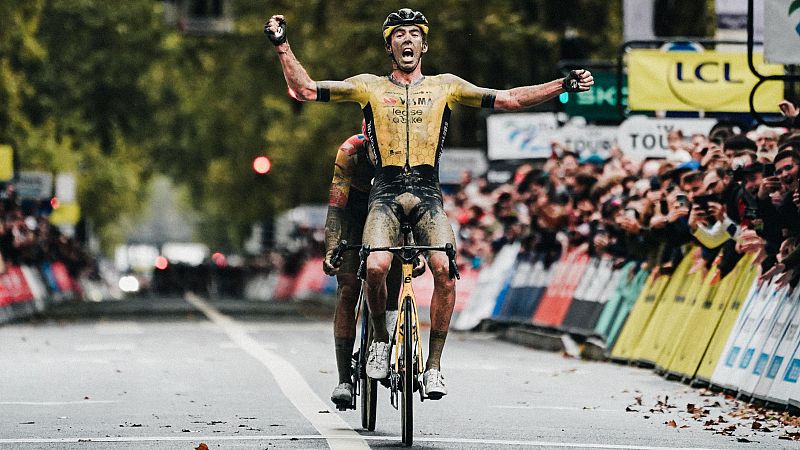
(296, 76)
(527, 96)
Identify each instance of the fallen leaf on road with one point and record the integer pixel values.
(756, 425)
(638, 399)
(671, 424)
(202, 446)
(743, 440)
(790, 436)
(629, 409)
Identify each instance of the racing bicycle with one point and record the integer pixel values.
(406, 366)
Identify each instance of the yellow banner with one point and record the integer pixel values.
(707, 81)
(66, 214)
(6, 163)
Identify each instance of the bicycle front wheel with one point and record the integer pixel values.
(369, 387)
(407, 403)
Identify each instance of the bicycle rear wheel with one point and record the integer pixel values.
(369, 387)
(407, 402)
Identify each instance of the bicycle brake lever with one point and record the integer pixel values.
(338, 254)
(362, 267)
(451, 256)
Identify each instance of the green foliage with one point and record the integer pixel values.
(108, 90)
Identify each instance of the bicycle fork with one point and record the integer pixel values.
(407, 310)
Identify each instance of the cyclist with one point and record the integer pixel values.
(347, 211)
(407, 117)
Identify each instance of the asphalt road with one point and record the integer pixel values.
(259, 381)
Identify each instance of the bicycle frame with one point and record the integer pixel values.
(407, 294)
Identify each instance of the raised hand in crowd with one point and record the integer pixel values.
(677, 209)
(697, 217)
(788, 109)
(749, 242)
(768, 186)
(717, 211)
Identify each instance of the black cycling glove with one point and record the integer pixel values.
(570, 82)
(279, 37)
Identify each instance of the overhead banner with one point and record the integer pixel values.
(520, 136)
(705, 81)
(644, 137)
(782, 31)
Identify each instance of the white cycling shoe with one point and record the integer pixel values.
(343, 394)
(378, 360)
(433, 383)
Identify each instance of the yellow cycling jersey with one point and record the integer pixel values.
(406, 124)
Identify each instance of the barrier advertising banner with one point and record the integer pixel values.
(520, 136)
(782, 31)
(699, 81)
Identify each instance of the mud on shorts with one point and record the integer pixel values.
(416, 196)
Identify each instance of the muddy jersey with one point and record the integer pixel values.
(406, 124)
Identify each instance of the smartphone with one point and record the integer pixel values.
(682, 200)
(702, 200)
(632, 213)
(769, 170)
(664, 207)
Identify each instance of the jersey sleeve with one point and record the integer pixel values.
(353, 89)
(466, 93)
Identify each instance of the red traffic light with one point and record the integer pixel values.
(262, 164)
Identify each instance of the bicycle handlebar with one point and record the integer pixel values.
(407, 254)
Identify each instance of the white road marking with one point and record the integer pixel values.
(333, 440)
(118, 328)
(555, 408)
(337, 432)
(75, 402)
(267, 345)
(112, 347)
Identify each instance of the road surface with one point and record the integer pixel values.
(260, 381)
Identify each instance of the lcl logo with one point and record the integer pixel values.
(706, 72)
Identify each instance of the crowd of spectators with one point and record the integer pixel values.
(730, 192)
(28, 238)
